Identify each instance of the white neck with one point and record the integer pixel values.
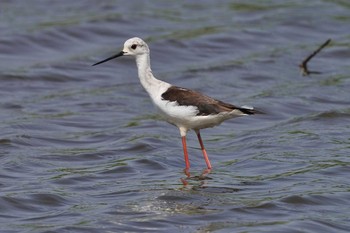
(148, 81)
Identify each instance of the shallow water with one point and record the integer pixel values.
(83, 150)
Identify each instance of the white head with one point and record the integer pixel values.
(132, 47)
(135, 46)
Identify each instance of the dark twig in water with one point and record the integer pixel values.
(303, 65)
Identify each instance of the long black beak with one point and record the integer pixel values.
(121, 53)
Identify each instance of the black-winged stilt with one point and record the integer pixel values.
(184, 108)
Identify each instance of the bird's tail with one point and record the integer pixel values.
(249, 110)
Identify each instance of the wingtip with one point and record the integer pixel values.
(250, 110)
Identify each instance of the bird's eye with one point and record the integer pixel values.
(134, 46)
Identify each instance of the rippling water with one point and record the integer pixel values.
(83, 150)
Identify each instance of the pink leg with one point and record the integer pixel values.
(187, 161)
(203, 149)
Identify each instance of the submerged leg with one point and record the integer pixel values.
(203, 150)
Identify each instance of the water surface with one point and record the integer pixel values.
(82, 149)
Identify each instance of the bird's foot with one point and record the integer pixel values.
(187, 172)
(204, 174)
(188, 176)
(184, 181)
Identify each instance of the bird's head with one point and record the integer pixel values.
(132, 47)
